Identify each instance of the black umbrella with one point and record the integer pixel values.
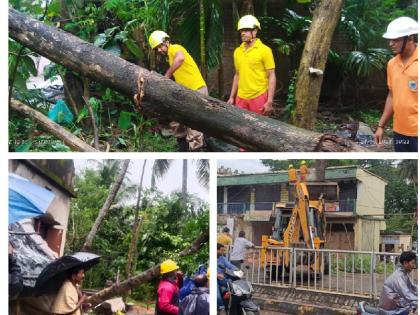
(54, 274)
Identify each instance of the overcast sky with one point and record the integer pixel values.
(246, 166)
(170, 183)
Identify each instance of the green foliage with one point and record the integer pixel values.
(363, 63)
(187, 31)
(359, 264)
(21, 65)
(289, 110)
(161, 236)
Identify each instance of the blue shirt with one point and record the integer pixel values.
(223, 263)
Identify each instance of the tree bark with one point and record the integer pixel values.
(315, 54)
(145, 276)
(104, 210)
(247, 7)
(165, 98)
(136, 229)
(55, 129)
(184, 181)
(320, 166)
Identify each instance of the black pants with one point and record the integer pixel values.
(405, 143)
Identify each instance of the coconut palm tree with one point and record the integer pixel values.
(161, 167)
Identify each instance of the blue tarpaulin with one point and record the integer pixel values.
(26, 199)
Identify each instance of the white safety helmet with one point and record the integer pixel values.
(401, 27)
(248, 22)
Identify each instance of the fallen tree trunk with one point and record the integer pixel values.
(165, 98)
(55, 129)
(145, 276)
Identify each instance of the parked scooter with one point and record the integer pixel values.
(238, 295)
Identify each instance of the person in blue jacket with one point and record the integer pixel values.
(222, 264)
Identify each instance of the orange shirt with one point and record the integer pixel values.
(303, 170)
(292, 175)
(402, 82)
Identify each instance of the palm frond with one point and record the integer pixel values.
(159, 169)
(202, 172)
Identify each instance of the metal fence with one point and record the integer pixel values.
(358, 273)
(242, 207)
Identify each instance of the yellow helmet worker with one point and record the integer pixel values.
(254, 82)
(186, 73)
(303, 171)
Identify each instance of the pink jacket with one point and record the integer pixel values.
(167, 297)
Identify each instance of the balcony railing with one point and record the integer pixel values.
(348, 205)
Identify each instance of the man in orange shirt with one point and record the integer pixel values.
(303, 171)
(402, 76)
(292, 174)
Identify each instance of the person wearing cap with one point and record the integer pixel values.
(402, 77)
(167, 297)
(254, 81)
(292, 174)
(186, 73)
(304, 171)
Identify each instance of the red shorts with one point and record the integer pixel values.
(254, 105)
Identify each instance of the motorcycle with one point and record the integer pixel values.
(238, 294)
(365, 309)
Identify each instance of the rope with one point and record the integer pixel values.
(140, 92)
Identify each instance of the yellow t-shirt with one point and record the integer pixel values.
(252, 65)
(187, 74)
(224, 239)
(402, 82)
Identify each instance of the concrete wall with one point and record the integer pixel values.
(370, 194)
(367, 234)
(59, 208)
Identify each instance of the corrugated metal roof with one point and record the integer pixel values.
(331, 173)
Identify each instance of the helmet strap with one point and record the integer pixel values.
(404, 45)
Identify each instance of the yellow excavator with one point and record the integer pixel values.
(300, 224)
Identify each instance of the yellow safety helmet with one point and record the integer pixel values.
(157, 38)
(168, 266)
(290, 165)
(248, 21)
(303, 162)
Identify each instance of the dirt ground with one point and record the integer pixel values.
(139, 310)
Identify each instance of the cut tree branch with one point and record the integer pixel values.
(55, 129)
(165, 98)
(145, 276)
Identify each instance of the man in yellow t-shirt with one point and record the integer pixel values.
(254, 81)
(225, 238)
(402, 77)
(186, 73)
